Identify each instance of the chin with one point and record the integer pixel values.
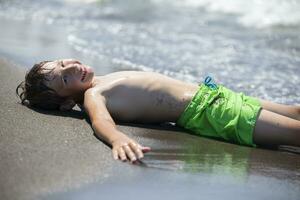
(89, 79)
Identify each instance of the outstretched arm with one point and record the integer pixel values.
(122, 146)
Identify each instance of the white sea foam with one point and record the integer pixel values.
(81, 1)
(251, 13)
(186, 40)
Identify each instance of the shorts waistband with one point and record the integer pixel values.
(203, 97)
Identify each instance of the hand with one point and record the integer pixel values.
(124, 148)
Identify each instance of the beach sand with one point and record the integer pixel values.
(54, 155)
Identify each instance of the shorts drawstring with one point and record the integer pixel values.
(208, 81)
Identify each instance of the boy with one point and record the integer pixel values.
(147, 97)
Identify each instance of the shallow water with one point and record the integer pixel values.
(185, 167)
(250, 46)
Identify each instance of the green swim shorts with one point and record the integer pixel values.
(221, 113)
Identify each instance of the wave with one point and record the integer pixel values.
(251, 13)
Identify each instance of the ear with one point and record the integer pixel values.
(67, 105)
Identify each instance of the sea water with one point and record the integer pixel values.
(251, 46)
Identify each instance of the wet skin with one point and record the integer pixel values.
(129, 96)
(148, 97)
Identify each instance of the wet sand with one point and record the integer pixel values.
(54, 155)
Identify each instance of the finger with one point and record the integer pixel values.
(122, 154)
(146, 149)
(115, 154)
(136, 150)
(135, 162)
(129, 152)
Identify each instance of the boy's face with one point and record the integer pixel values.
(68, 77)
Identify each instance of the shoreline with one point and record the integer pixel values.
(54, 155)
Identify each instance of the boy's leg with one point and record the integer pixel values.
(274, 129)
(286, 110)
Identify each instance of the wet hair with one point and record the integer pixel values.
(33, 92)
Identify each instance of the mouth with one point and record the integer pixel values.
(84, 73)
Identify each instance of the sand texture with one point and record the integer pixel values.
(53, 155)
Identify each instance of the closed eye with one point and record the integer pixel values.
(65, 79)
(62, 64)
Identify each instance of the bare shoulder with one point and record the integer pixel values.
(126, 78)
(92, 97)
(132, 74)
(94, 104)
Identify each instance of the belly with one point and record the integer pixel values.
(149, 106)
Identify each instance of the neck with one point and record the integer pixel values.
(78, 98)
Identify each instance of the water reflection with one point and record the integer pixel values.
(205, 156)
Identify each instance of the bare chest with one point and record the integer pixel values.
(151, 99)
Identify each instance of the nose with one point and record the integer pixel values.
(71, 64)
(71, 70)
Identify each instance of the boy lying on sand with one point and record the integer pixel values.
(146, 97)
